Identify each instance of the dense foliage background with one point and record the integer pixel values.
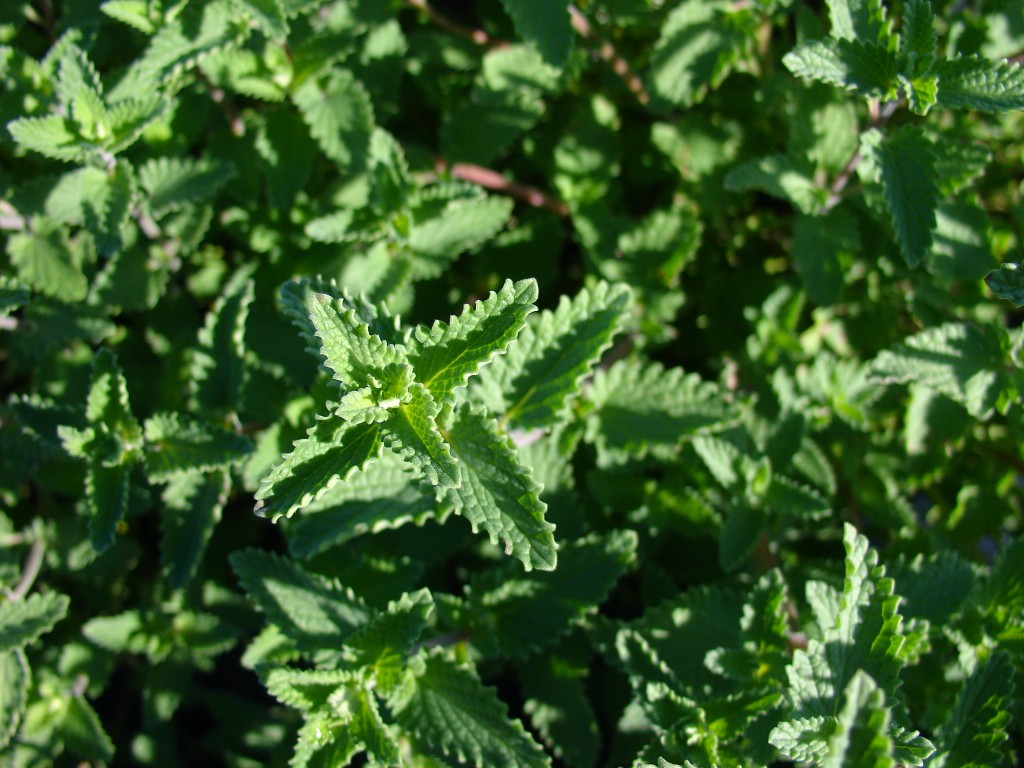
(745, 489)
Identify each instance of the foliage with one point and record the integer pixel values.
(627, 383)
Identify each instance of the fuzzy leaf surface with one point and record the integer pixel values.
(445, 706)
(498, 494)
(449, 353)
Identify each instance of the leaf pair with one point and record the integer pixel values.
(393, 391)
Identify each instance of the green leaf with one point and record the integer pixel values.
(546, 25)
(107, 403)
(14, 682)
(106, 491)
(268, 15)
(134, 13)
(173, 183)
(866, 69)
(974, 732)
(196, 32)
(906, 169)
(339, 116)
(446, 708)
(437, 239)
(642, 410)
(22, 621)
(330, 452)
(449, 353)
(515, 615)
(357, 356)
(382, 644)
(51, 136)
(698, 44)
(918, 41)
(958, 360)
(972, 82)
(307, 690)
(499, 494)
(561, 711)
(83, 732)
(218, 370)
(1007, 282)
(412, 432)
(12, 295)
(819, 243)
(192, 508)
(532, 385)
(861, 738)
(858, 20)
(175, 445)
(781, 176)
(860, 632)
(382, 495)
(46, 262)
(315, 612)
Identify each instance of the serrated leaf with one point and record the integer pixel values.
(171, 183)
(445, 356)
(533, 383)
(906, 169)
(866, 69)
(51, 136)
(357, 356)
(192, 508)
(134, 13)
(268, 15)
(782, 176)
(46, 262)
(83, 732)
(381, 495)
(860, 632)
(918, 40)
(546, 25)
(1007, 282)
(175, 445)
(382, 644)
(561, 711)
(413, 434)
(641, 410)
(696, 49)
(861, 738)
(307, 690)
(22, 621)
(12, 295)
(972, 82)
(218, 370)
(313, 611)
(445, 707)
(130, 117)
(14, 682)
(514, 615)
(106, 492)
(331, 452)
(858, 19)
(339, 116)
(436, 240)
(196, 32)
(498, 494)
(958, 360)
(974, 732)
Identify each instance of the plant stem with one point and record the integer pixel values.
(880, 115)
(493, 180)
(478, 36)
(33, 564)
(608, 53)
